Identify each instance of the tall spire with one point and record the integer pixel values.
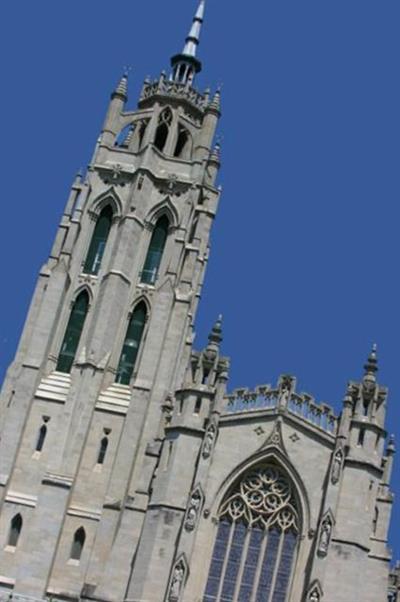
(193, 39)
(186, 64)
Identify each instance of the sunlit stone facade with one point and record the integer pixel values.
(127, 473)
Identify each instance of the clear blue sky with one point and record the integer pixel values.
(305, 255)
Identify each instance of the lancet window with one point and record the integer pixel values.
(98, 242)
(78, 544)
(257, 540)
(164, 123)
(156, 250)
(73, 333)
(15, 531)
(131, 345)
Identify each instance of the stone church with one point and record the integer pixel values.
(127, 472)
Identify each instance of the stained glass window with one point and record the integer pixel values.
(98, 242)
(257, 540)
(131, 345)
(73, 333)
(156, 250)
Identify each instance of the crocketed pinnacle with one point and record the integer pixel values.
(371, 367)
(193, 39)
(215, 104)
(121, 90)
(215, 155)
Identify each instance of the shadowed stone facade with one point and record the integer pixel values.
(127, 473)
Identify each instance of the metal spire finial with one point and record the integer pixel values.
(193, 39)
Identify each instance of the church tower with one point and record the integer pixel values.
(127, 473)
(107, 343)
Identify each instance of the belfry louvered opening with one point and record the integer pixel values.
(257, 539)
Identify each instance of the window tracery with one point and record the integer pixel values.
(256, 541)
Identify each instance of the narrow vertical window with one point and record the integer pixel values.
(73, 333)
(103, 450)
(131, 345)
(162, 131)
(182, 148)
(15, 531)
(98, 242)
(375, 521)
(361, 437)
(41, 438)
(78, 544)
(155, 252)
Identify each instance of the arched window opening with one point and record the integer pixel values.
(361, 437)
(162, 131)
(103, 450)
(182, 148)
(73, 333)
(98, 242)
(15, 531)
(78, 544)
(155, 252)
(131, 345)
(142, 132)
(125, 136)
(41, 438)
(193, 229)
(257, 539)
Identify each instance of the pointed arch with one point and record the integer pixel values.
(78, 544)
(258, 535)
(103, 450)
(163, 127)
(184, 144)
(73, 332)
(99, 240)
(15, 530)
(165, 207)
(108, 197)
(133, 339)
(156, 250)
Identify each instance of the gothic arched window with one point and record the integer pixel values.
(164, 123)
(15, 530)
(257, 539)
(77, 544)
(156, 250)
(98, 242)
(131, 345)
(183, 144)
(73, 333)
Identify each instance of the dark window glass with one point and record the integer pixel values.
(41, 438)
(73, 333)
(131, 345)
(250, 567)
(78, 543)
(232, 568)
(182, 143)
(285, 567)
(155, 252)
(102, 450)
(15, 530)
(162, 131)
(217, 561)
(98, 242)
(268, 567)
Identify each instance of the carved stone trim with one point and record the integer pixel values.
(209, 440)
(194, 508)
(325, 534)
(337, 466)
(178, 580)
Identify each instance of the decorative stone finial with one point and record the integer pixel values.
(215, 336)
(391, 447)
(371, 367)
(122, 89)
(215, 155)
(215, 104)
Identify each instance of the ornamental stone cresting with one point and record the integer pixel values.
(127, 472)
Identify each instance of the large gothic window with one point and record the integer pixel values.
(256, 540)
(131, 345)
(98, 242)
(156, 250)
(73, 333)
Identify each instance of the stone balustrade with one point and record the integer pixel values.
(165, 87)
(267, 398)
